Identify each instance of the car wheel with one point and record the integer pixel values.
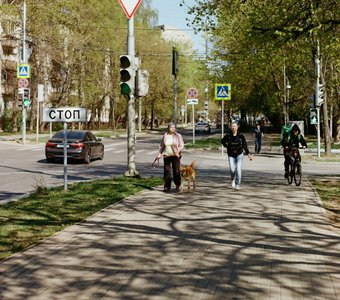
(49, 159)
(87, 157)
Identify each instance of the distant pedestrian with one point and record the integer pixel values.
(170, 148)
(236, 145)
(258, 134)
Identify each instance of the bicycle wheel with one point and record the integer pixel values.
(297, 173)
(290, 174)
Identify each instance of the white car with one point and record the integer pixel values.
(202, 127)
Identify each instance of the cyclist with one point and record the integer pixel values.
(291, 139)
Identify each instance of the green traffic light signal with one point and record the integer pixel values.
(125, 89)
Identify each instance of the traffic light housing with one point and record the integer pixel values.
(127, 75)
(174, 62)
(313, 116)
(143, 83)
(319, 95)
(25, 96)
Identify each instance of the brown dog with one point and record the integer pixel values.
(188, 173)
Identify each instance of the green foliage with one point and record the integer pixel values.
(76, 47)
(254, 39)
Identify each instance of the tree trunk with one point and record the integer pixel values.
(326, 132)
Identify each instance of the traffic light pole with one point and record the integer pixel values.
(132, 171)
(317, 96)
(24, 61)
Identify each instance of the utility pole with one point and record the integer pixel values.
(206, 76)
(317, 96)
(132, 171)
(24, 61)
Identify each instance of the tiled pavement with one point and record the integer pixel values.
(266, 241)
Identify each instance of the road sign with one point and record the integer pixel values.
(129, 6)
(64, 114)
(192, 101)
(222, 91)
(23, 83)
(192, 93)
(23, 71)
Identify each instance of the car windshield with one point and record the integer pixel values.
(72, 135)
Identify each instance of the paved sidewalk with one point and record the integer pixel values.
(266, 241)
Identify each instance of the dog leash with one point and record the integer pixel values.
(155, 162)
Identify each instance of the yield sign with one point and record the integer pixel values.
(129, 6)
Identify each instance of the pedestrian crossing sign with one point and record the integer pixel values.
(222, 91)
(23, 71)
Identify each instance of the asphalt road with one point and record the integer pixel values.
(23, 167)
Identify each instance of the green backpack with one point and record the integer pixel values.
(285, 134)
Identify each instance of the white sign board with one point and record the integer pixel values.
(129, 6)
(64, 114)
(192, 101)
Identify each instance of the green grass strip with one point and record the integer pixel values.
(31, 219)
(208, 143)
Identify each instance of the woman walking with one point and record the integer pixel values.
(171, 147)
(236, 145)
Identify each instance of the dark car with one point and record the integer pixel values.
(81, 145)
(202, 127)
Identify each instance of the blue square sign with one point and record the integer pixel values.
(222, 91)
(23, 71)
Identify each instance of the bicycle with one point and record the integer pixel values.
(295, 169)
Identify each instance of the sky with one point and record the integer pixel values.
(170, 13)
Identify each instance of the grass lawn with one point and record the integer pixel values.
(208, 143)
(33, 218)
(329, 191)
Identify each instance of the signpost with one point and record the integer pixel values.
(65, 115)
(222, 92)
(129, 7)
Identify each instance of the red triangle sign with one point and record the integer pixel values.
(129, 6)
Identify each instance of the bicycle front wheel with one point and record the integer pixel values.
(290, 174)
(297, 173)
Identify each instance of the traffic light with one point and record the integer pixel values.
(319, 93)
(127, 75)
(313, 115)
(206, 105)
(143, 82)
(174, 62)
(26, 97)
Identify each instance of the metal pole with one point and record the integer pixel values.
(175, 100)
(317, 71)
(132, 171)
(140, 114)
(24, 61)
(38, 121)
(285, 94)
(193, 123)
(222, 121)
(65, 156)
(318, 132)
